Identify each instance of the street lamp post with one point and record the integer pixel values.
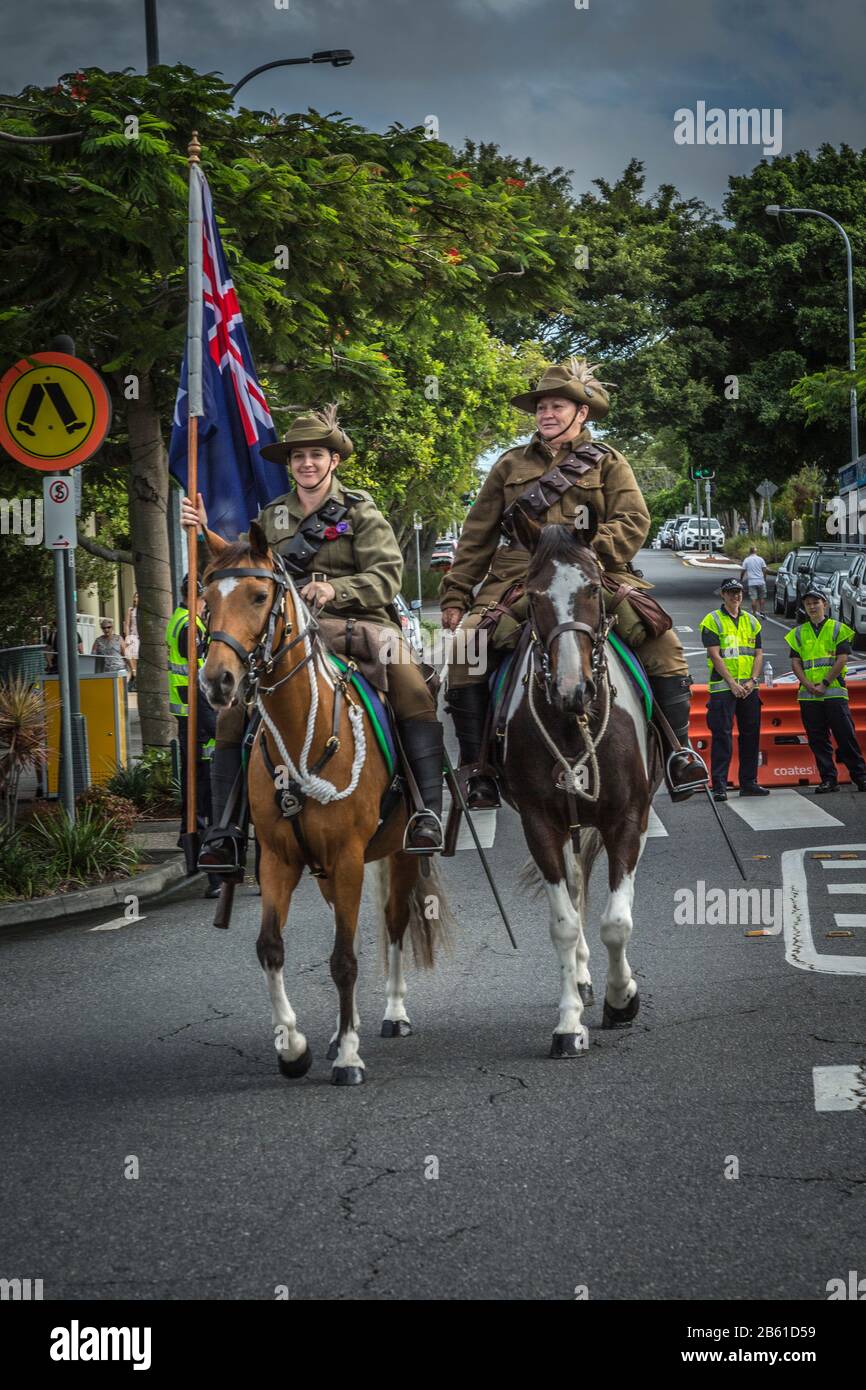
(774, 210)
(337, 57)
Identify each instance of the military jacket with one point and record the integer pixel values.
(363, 562)
(610, 487)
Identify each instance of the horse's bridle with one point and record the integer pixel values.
(544, 644)
(262, 658)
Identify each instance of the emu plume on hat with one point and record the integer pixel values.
(317, 427)
(575, 379)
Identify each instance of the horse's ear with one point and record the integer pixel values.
(526, 531)
(259, 547)
(214, 544)
(586, 523)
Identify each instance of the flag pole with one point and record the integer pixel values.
(194, 405)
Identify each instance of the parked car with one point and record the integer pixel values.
(696, 534)
(410, 622)
(852, 597)
(822, 563)
(676, 531)
(785, 597)
(665, 535)
(834, 595)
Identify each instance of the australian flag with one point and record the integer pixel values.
(233, 478)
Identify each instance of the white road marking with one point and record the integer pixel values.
(485, 824)
(117, 923)
(681, 627)
(800, 949)
(843, 863)
(845, 887)
(786, 627)
(839, 1088)
(850, 919)
(655, 827)
(784, 809)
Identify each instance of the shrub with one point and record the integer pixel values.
(22, 741)
(88, 849)
(149, 784)
(24, 872)
(739, 546)
(107, 806)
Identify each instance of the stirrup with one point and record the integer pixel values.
(223, 842)
(698, 781)
(473, 772)
(427, 849)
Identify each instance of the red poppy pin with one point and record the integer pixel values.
(332, 532)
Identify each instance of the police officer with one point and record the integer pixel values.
(734, 661)
(484, 569)
(176, 635)
(352, 568)
(819, 648)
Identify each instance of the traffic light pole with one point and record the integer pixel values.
(709, 522)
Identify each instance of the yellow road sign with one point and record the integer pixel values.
(54, 411)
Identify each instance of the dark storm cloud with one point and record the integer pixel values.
(587, 89)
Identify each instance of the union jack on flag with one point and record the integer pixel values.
(233, 478)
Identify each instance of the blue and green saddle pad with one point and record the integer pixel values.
(378, 714)
(633, 666)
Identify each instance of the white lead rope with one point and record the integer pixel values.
(569, 780)
(310, 783)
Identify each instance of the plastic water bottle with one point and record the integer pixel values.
(768, 674)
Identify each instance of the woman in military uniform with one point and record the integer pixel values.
(344, 557)
(566, 396)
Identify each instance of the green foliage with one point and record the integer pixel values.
(84, 851)
(24, 871)
(148, 783)
(738, 547)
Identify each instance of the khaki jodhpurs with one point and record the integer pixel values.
(408, 692)
(661, 656)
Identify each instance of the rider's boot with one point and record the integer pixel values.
(685, 770)
(467, 705)
(424, 744)
(223, 851)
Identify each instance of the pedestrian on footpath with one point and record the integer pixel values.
(108, 648)
(819, 648)
(176, 638)
(754, 575)
(131, 641)
(734, 661)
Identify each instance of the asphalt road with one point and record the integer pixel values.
(683, 1158)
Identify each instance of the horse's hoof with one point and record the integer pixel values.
(620, 1018)
(347, 1076)
(333, 1049)
(395, 1028)
(586, 995)
(299, 1067)
(569, 1044)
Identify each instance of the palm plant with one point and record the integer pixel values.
(22, 741)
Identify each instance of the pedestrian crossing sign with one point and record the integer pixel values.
(55, 411)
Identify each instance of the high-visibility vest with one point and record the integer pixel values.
(817, 651)
(178, 670)
(736, 646)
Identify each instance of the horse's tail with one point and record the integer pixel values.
(577, 872)
(431, 922)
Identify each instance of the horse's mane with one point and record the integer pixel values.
(234, 553)
(561, 542)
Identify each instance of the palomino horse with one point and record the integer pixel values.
(264, 645)
(578, 767)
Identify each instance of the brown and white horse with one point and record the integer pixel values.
(578, 752)
(263, 638)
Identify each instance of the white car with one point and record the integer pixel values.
(697, 534)
(833, 595)
(852, 597)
